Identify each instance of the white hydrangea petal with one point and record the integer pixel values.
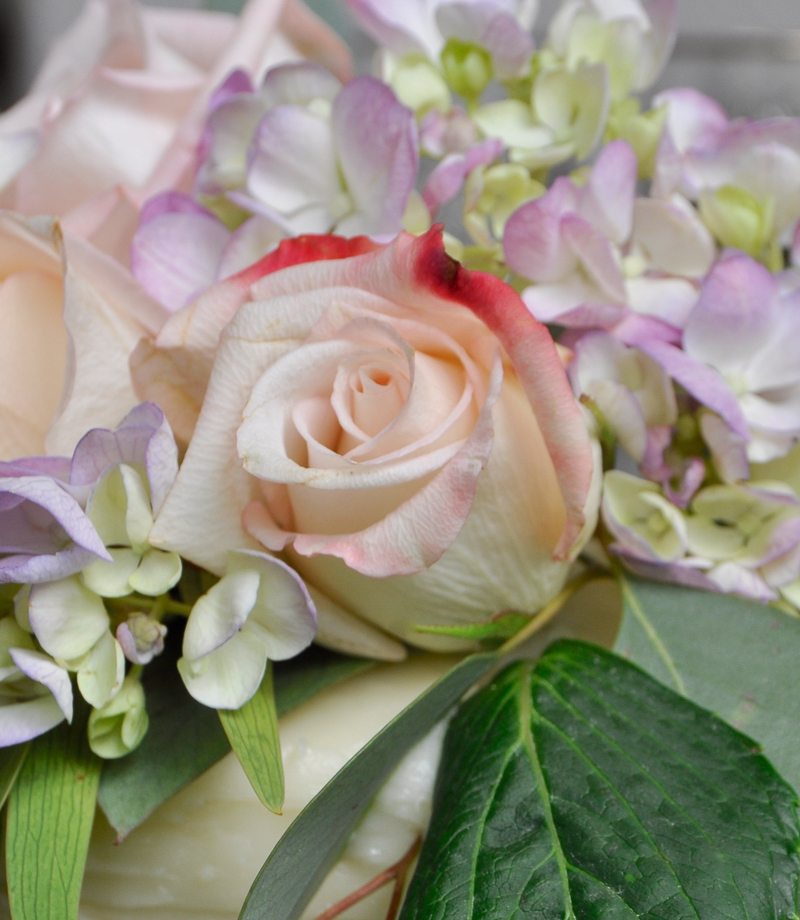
(158, 571)
(220, 613)
(229, 676)
(67, 618)
(19, 722)
(283, 611)
(44, 670)
(101, 673)
(106, 509)
(138, 514)
(111, 579)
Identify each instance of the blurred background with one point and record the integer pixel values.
(746, 53)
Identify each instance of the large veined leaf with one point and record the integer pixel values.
(579, 788)
(310, 847)
(50, 813)
(185, 738)
(11, 759)
(735, 657)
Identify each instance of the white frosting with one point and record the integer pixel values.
(197, 856)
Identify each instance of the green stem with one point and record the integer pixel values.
(156, 607)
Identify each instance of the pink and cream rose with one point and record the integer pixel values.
(118, 108)
(69, 318)
(400, 427)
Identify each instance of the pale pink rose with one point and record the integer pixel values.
(401, 428)
(118, 108)
(69, 318)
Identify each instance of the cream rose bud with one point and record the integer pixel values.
(402, 428)
(60, 297)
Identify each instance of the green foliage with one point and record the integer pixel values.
(737, 658)
(50, 813)
(580, 788)
(252, 731)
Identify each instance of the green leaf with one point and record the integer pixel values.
(11, 760)
(185, 738)
(253, 734)
(310, 847)
(581, 788)
(734, 657)
(50, 815)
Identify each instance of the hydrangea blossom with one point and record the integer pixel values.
(260, 610)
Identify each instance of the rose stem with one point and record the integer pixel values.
(547, 613)
(397, 872)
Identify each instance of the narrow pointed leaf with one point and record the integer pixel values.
(185, 738)
(252, 731)
(50, 815)
(305, 853)
(581, 788)
(732, 656)
(11, 760)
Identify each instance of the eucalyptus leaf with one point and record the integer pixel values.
(312, 844)
(11, 760)
(50, 813)
(581, 788)
(185, 738)
(734, 657)
(252, 731)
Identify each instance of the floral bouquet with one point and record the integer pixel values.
(400, 481)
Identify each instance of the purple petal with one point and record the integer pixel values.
(142, 438)
(238, 81)
(728, 450)
(694, 120)
(47, 519)
(533, 243)
(376, 141)
(170, 203)
(596, 256)
(674, 572)
(175, 255)
(402, 26)
(636, 328)
(734, 316)
(44, 670)
(693, 476)
(704, 383)
(447, 179)
(52, 467)
(34, 570)
(735, 579)
(492, 28)
(292, 166)
(606, 200)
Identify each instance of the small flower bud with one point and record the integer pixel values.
(467, 67)
(141, 638)
(118, 728)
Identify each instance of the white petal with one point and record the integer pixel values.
(111, 579)
(20, 722)
(44, 670)
(101, 674)
(67, 618)
(229, 676)
(283, 613)
(157, 573)
(220, 613)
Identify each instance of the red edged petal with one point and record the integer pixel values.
(533, 353)
(306, 248)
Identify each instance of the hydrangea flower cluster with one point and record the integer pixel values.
(76, 536)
